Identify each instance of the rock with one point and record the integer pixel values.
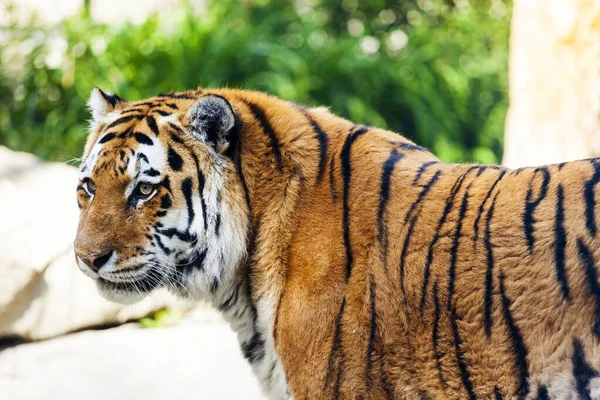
(554, 81)
(198, 359)
(42, 292)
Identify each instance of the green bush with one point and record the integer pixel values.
(434, 70)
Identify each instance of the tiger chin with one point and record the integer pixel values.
(351, 262)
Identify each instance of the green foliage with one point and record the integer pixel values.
(162, 318)
(434, 70)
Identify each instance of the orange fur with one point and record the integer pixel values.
(379, 289)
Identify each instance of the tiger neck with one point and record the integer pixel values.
(272, 178)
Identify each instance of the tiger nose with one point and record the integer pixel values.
(95, 261)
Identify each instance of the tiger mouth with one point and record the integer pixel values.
(142, 285)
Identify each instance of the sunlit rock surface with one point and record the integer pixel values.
(197, 359)
(554, 82)
(42, 292)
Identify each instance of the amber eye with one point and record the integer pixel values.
(91, 186)
(145, 189)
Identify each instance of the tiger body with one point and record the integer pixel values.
(351, 262)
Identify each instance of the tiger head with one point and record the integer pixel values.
(161, 201)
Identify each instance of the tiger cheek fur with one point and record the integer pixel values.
(351, 262)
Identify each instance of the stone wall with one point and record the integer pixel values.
(554, 80)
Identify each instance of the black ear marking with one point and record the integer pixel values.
(101, 103)
(110, 98)
(212, 120)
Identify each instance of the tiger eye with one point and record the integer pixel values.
(91, 186)
(146, 189)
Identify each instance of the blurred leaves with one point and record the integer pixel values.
(162, 318)
(433, 70)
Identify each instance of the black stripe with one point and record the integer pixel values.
(172, 106)
(590, 198)
(531, 204)
(175, 160)
(489, 272)
(387, 170)
(323, 145)
(111, 98)
(198, 262)
(201, 184)
(152, 124)
(435, 334)
(338, 380)
(422, 194)
(122, 120)
(455, 243)
(166, 183)
(176, 138)
(332, 186)
(405, 245)
(142, 156)
(519, 349)
(542, 393)
(175, 128)
(106, 138)
(346, 174)
(582, 371)
(591, 275)
(498, 394)
(145, 104)
(151, 172)
(412, 224)
(254, 349)
(422, 169)
(186, 188)
(214, 285)
(163, 113)
(183, 236)
(253, 311)
(448, 207)
(143, 139)
(560, 243)
(164, 248)
(173, 95)
(231, 300)
(482, 206)
(465, 376)
(165, 201)
(132, 110)
(372, 334)
(259, 115)
(336, 355)
(410, 147)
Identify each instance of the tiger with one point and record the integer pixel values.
(349, 261)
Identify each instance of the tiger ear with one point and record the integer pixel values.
(212, 120)
(101, 103)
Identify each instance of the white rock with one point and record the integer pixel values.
(42, 292)
(199, 359)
